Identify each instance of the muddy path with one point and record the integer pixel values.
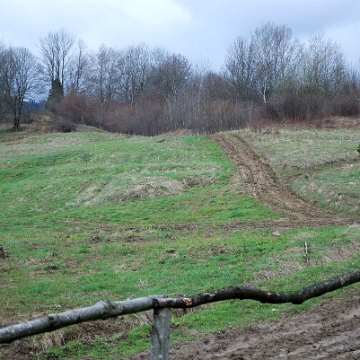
(258, 179)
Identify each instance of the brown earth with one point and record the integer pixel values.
(330, 330)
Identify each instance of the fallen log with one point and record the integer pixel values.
(106, 309)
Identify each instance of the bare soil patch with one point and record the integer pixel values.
(13, 138)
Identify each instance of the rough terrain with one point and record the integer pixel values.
(259, 180)
(330, 330)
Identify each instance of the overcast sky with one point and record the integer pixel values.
(202, 30)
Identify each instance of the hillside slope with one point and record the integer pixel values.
(259, 180)
(327, 331)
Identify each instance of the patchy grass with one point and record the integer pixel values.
(336, 188)
(45, 180)
(289, 149)
(324, 165)
(92, 216)
(71, 272)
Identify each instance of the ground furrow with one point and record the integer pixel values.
(259, 179)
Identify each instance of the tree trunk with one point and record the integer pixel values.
(17, 123)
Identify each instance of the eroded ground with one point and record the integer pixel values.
(259, 180)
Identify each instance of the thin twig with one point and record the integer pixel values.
(307, 254)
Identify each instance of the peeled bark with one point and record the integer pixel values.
(107, 309)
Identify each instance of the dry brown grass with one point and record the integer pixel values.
(336, 253)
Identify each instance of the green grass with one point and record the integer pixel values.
(90, 216)
(290, 149)
(324, 164)
(343, 195)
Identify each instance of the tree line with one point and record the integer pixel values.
(268, 76)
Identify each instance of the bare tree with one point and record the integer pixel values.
(56, 50)
(254, 67)
(170, 74)
(275, 50)
(79, 67)
(103, 80)
(241, 70)
(216, 85)
(137, 69)
(325, 65)
(2, 79)
(20, 70)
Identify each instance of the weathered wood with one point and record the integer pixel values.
(242, 293)
(101, 310)
(106, 309)
(160, 334)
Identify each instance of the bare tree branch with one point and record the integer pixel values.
(107, 309)
(242, 293)
(101, 310)
(56, 49)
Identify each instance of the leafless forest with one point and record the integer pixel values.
(269, 76)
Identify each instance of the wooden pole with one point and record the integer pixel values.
(160, 334)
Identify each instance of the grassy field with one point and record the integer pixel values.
(92, 215)
(324, 165)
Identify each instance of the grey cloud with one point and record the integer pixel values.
(204, 29)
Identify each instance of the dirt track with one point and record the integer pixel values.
(330, 330)
(258, 179)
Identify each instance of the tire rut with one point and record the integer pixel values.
(258, 178)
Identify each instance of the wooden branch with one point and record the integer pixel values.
(242, 293)
(107, 309)
(101, 310)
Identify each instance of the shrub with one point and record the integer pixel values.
(293, 107)
(267, 112)
(349, 107)
(63, 126)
